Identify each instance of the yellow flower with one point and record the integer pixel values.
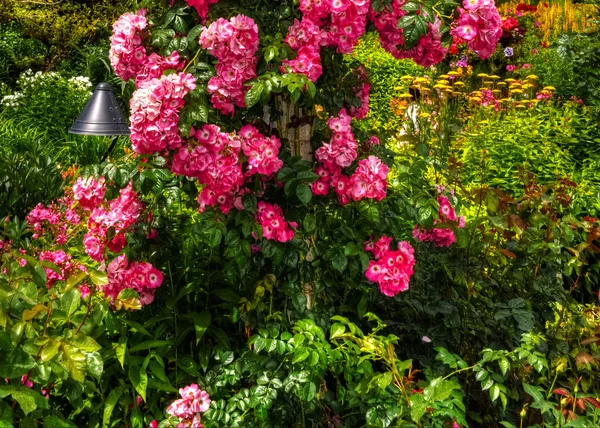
(493, 76)
(501, 84)
(520, 106)
(406, 78)
(516, 91)
(424, 115)
(549, 88)
(405, 96)
(455, 94)
(453, 73)
(510, 80)
(532, 77)
(459, 83)
(482, 75)
(496, 91)
(443, 82)
(443, 76)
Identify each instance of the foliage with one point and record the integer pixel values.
(498, 328)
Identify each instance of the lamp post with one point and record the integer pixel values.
(101, 116)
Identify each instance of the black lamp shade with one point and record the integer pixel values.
(101, 115)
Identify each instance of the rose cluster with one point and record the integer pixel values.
(336, 23)
(369, 178)
(141, 277)
(441, 237)
(118, 215)
(234, 43)
(64, 264)
(213, 158)
(188, 408)
(127, 52)
(261, 151)
(270, 217)
(155, 109)
(53, 219)
(391, 270)
(340, 152)
(480, 26)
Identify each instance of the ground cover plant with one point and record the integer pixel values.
(312, 225)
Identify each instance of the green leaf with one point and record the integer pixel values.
(73, 280)
(336, 330)
(74, 362)
(70, 301)
(339, 262)
(109, 407)
(49, 350)
(95, 364)
(26, 401)
(418, 407)
(201, 323)
(534, 391)
(504, 365)
(253, 95)
(98, 277)
(139, 380)
(304, 193)
(17, 363)
(300, 355)
(85, 343)
(384, 380)
(149, 344)
(120, 351)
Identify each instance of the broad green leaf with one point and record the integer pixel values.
(253, 95)
(149, 344)
(26, 401)
(85, 343)
(74, 361)
(95, 364)
(70, 301)
(336, 330)
(304, 193)
(49, 350)
(201, 323)
(139, 380)
(120, 351)
(109, 406)
(98, 277)
(300, 355)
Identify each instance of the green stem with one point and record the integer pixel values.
(192, 60)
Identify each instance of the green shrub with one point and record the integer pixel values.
(17, 52)
(49, 101)
(385, 73)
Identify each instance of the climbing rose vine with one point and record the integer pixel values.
(170, 119)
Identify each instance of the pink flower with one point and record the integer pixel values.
(510, 67)
(187, 409)
(270, 217)
(201, 6)
(153, 424)
(155, 112)
(127, 54)
(441, 237)
(84, 290)
(26, 382)
(89, 192)
(234, 43)
(393, 270)
(93, 247)
(141, 277)
(480, 25)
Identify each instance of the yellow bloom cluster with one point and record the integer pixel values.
(559, 17)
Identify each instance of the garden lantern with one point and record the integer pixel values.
(101, 116)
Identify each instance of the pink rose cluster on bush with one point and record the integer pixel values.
(441, 237)
(391, 270)
(155, 109)
(119, 214)
(270, 217)
(84, 211)
(127, 52)
(64, 264)
(336, 23)
(141, 277)
(429, 49)
(480, 26)
(213, 158)
(369, 178)
(188, 408)
(234, 43)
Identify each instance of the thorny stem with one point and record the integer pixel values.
(87, 313)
